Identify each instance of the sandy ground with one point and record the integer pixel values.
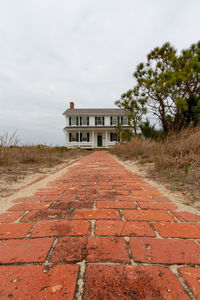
(7, 202)
(7, 188)
(176, 197)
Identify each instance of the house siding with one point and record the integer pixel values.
(104, 129)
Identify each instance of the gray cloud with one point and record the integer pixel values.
(53, 51)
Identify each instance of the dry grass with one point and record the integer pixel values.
(17, 161)
(176, 160)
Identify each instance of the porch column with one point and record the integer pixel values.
(79, 141)
(106, 143)
(66, 137)
(93, 138)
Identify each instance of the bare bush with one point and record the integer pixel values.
(8, 146)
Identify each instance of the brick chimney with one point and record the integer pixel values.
(71, 105)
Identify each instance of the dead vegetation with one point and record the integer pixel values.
(175, 161)
(18, 161)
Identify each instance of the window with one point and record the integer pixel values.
(84, 120)
(99, 120)
(73, 137)
(84, 137)
(113, 120)
(119, 120)
(72, 121)
(113, 136)
(124, 120)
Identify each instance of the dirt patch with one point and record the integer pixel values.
(10, 182)
(17, 173)
(7, 202)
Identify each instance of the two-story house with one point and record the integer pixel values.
(93, 128)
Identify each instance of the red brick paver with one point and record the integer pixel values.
(192, 278)
(172, 251)
(120, 228)
(178, 230)
(70, 249)
(186, 217)
(28, 251)
(10, 217)
(96, 214)
(116, 204)
(42, 215)
(109, 249)
(31, 282)
(61, 228)
(97, 232)
(155, 205)
(14, 230)
(132, 282)
(149, 215)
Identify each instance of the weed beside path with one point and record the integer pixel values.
(174, 162)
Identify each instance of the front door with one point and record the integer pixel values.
(99, 140)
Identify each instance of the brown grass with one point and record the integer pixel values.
(176, 160)
(17, 161)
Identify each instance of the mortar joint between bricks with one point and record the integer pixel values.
(19, 219)
(138, 208)
(171, 214)
(72, 214)
(95, 205)
(196, 241)
(174, 270)
(154, 230)
(127, 239)
(50, 207)
(50, 251)
(29, 233)
(93, 225)
(80, 281)
(121, 214)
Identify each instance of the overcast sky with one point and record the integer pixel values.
(56, 51)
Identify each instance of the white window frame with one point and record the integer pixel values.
(99, 120)
(84, 136)
(73, 136)
(84, 121)
(73, 121)
(114, 120)
(125, 120)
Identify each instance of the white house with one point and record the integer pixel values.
(93, 128)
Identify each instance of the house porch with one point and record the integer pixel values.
(87, 138)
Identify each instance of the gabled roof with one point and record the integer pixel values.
(96, 112)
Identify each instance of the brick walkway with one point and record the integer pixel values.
(99, 232)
